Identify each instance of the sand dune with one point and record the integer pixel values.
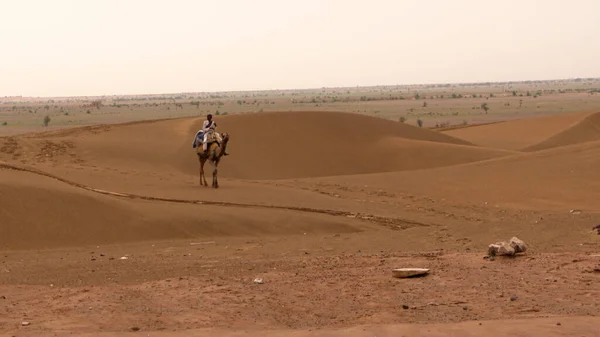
(38, 212)
(331, 200)
(309, 144)
(520, 133)
(586, 130)
(264, 146)
(556, 179)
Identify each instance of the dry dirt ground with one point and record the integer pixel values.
(105, 231)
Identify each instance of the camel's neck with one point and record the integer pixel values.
(223, 148)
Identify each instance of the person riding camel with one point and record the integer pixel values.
(208, 125)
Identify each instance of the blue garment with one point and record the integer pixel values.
(198, 138)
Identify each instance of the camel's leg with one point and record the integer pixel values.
(215, 183)
(202, 177)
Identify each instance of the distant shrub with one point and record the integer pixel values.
(485, 107)
(5, 123)
(46, 120)
(420, 123)
(402, 119)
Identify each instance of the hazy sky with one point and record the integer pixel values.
(94, 47)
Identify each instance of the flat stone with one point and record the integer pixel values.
(409, 272)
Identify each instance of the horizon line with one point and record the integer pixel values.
(313, 88)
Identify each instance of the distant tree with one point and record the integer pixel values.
(420, 123)
(96, 104)
(485, 107)
(424, 104)
(402, 119)
(46, 120)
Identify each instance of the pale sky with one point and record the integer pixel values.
(93, 47)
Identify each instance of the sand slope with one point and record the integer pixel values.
(38, 212)
(309, 144)
(520, 133)
(561, 179)
(263, 146)
(588, 129)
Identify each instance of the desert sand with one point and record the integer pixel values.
(105, 230)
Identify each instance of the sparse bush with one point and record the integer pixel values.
(5, 124)
(402, 119)
(424, 104)
(96, 104)
(485, 107)
(420, 123)
(46, 120)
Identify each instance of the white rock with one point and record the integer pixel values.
(409, 272)
(25, 323)
(518, 245)
(259, 281)
(501, 248)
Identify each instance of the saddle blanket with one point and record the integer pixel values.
(200, 137)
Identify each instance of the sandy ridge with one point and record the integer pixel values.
(394, 223)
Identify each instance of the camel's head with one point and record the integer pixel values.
(225, 136)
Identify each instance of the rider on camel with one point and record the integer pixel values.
(207, 125)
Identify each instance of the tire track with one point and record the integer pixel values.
(392, 223)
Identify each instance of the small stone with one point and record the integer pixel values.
(558, 323)
(405, 307)
(465, 308)
(409, 272)
(135, 328)
(513, 298)
(25, 323)
(259, 281)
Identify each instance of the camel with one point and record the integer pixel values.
(214, 154)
